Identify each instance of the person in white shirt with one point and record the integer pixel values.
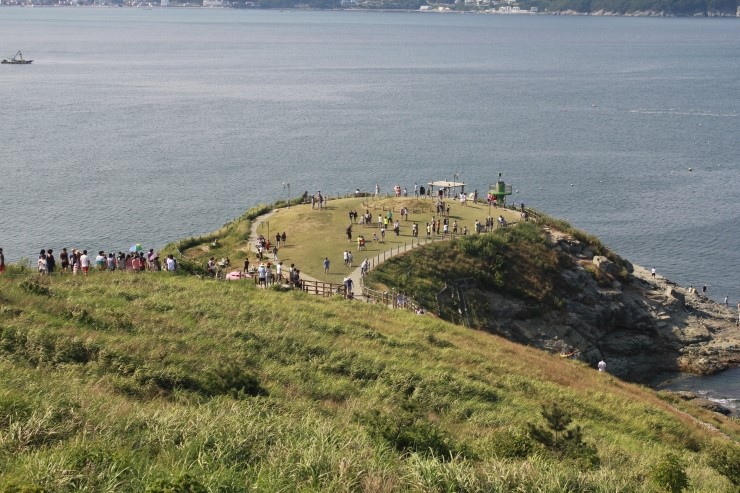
(85, 262)
(42, 264)
(602, 365)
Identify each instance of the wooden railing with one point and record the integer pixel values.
(325, 289)
(392, 299)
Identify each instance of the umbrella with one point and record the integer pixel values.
(135, 248)
(234, 276)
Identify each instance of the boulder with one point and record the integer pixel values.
(685, 395)
(606, 265)
(675, 294)
(713, 406)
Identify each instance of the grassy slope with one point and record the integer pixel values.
(113, 382)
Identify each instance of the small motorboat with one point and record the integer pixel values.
(17, 60)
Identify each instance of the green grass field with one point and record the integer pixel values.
(313, 234)
(158, 382)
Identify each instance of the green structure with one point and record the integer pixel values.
(499, 191)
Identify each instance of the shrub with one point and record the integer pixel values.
(565, 442)
(74, 350)
(725, 459)
(408, 431)
(232, 380)
(35, 285)
(512, 444)
(167, 379)
(670, 474)
(183, 484)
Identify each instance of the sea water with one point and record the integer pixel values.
(145, 126)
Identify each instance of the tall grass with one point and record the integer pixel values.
(120, 382)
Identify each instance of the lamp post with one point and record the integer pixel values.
(288, 186)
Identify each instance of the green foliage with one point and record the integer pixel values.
(665, 7)
(182, 484)
(670, 474)
(563, 441)
(407, 430)
(516, 261)
(233, 380)
(725, 459)
(24, 488)
(510, 444)
(36, 285)
(14, 406)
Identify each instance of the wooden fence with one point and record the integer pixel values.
(325, 289)
(392, 298)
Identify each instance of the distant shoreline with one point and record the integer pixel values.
(600, 13)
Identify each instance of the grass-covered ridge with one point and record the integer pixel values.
(516, 260)
(122, 382)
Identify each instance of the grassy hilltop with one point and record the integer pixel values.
(160, 382)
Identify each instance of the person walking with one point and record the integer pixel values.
(652, 273)
(602, 365)
(326, 265)
(2, 261)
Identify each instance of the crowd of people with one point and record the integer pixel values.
(76, 261)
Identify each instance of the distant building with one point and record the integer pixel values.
(213, 3)
(164, 3)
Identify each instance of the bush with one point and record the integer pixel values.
(183, 484)
(35, 285)
(725, 459)
(512, 444)
(408, 431)
(232, 380)
(565, 442)
(670, 474)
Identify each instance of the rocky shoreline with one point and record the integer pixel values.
(640, 325)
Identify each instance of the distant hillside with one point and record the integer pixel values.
(620, 7)
(641, 7)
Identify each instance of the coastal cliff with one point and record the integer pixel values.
(642, 325)
(563, 297)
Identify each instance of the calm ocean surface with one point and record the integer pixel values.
(151, 125)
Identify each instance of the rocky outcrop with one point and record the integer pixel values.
(640, 325)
